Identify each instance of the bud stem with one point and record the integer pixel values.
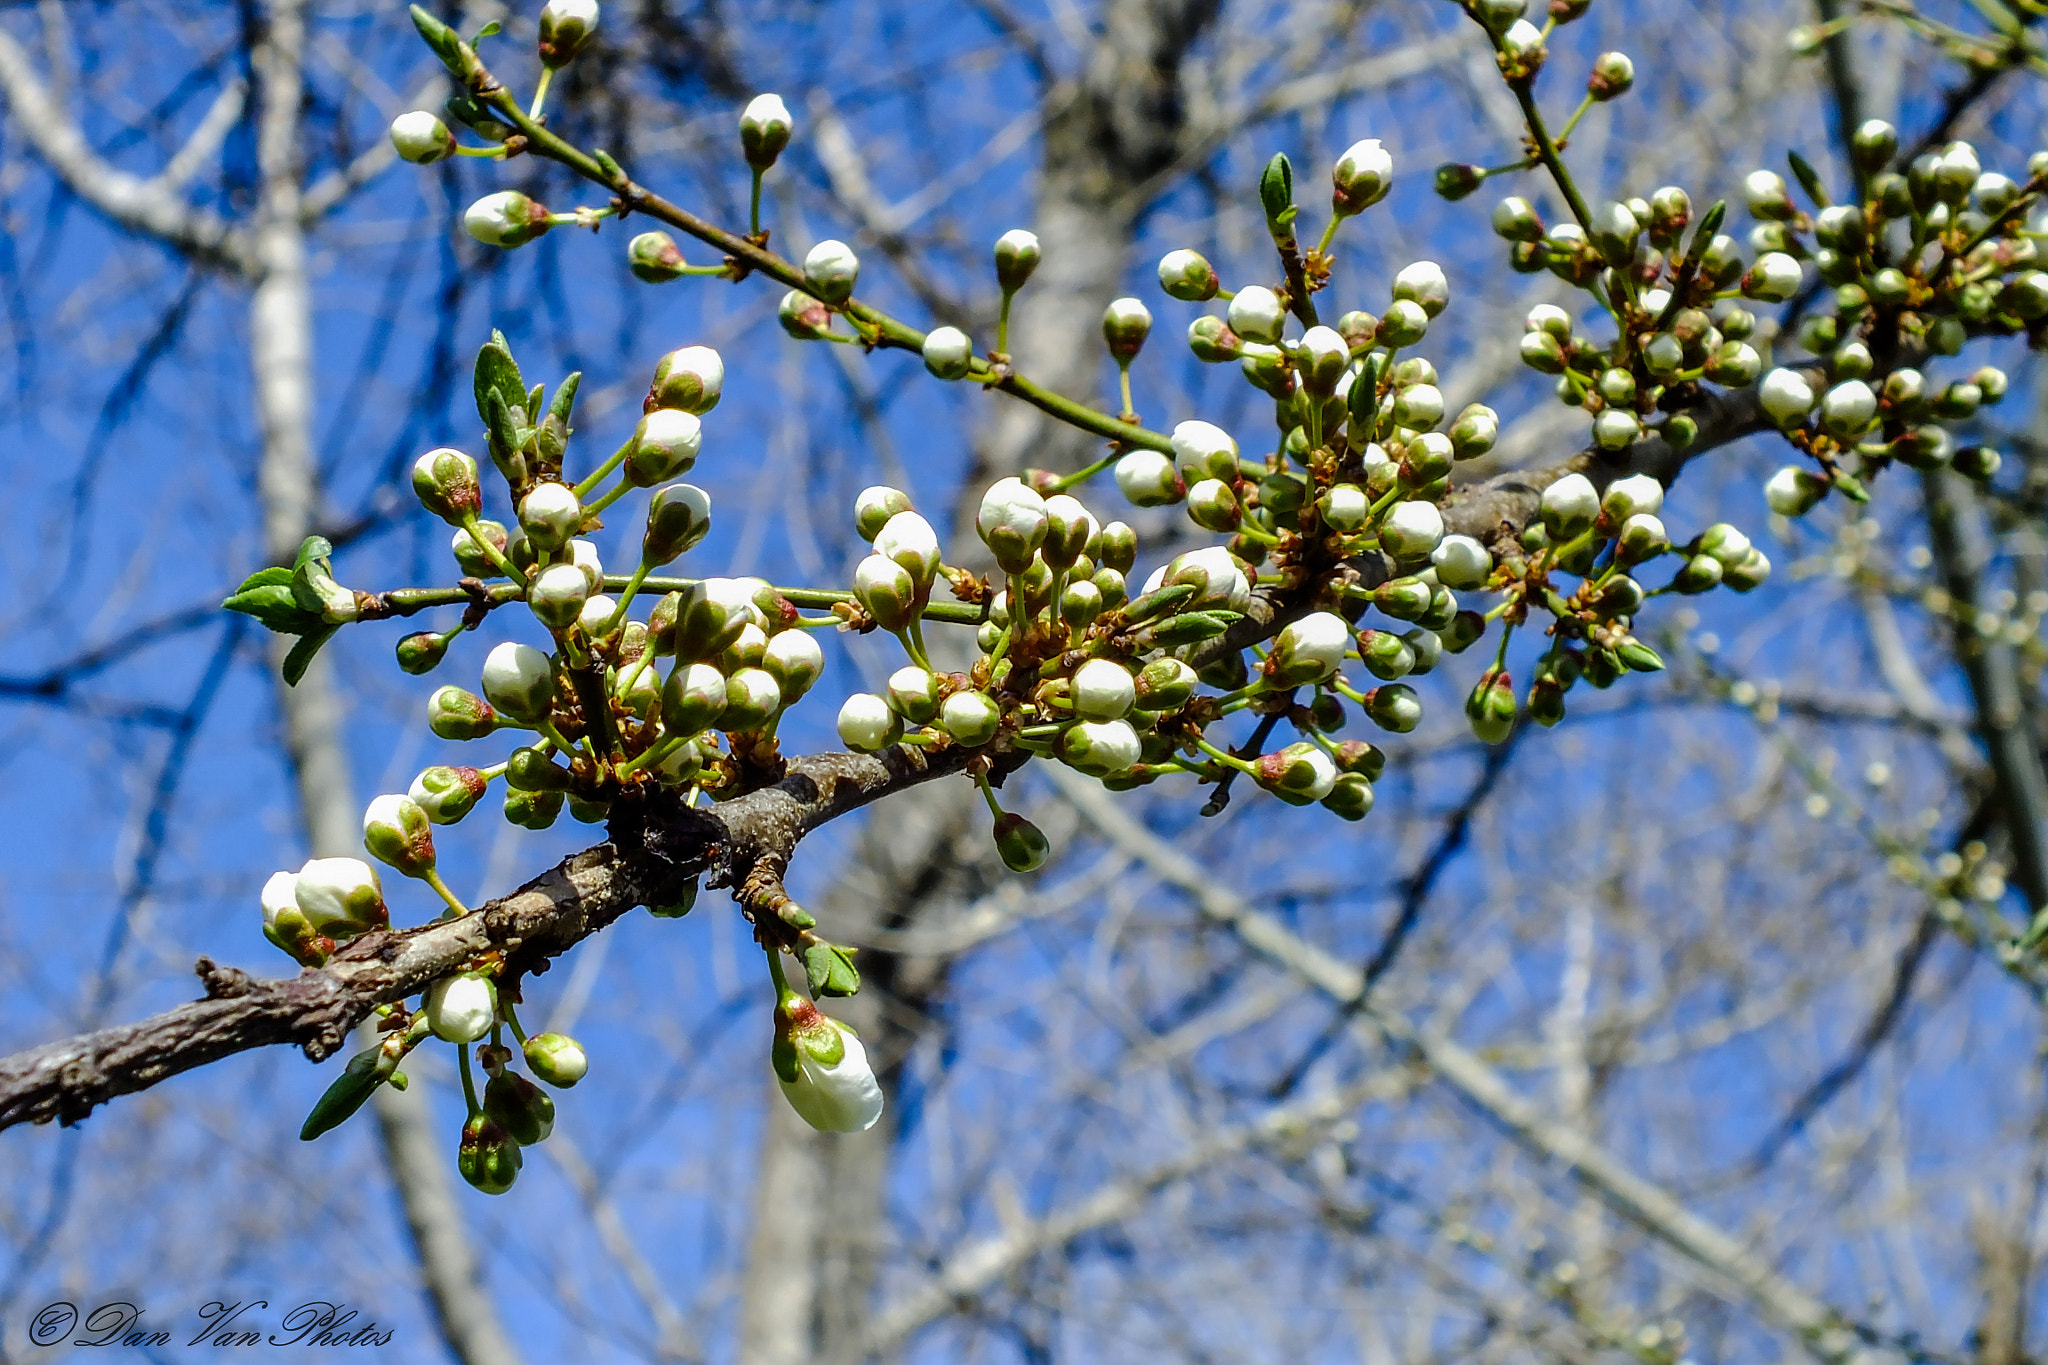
(456, 909)
(511, 1013)
(540, 91)
(988, 794)
(1087, 472)
(754, 209)
(591, 509)
(468, 1083)
(597, 476)
(1546, 150)
(618, 616)
(492, 153)
(490, 551)
(1573, 122)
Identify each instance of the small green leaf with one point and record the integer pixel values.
(350, 1089)
(490, 30)
(1158, 602)
(1809, 179)
(312, 548)
(497, 372)
(830, 970)
(565, 398)
(681, 906)
(1276, 192)
(301, 657)
(1188, 628)
(273, 605)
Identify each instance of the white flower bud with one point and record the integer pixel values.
(794, 659)
(1848, 409)
(1147, 479)
(1103, 690)
(751, 700)
(867, 725)
(690, 379)
(1767, 197)
(595, 615)
(340, 897)
(1522, 40)
(692, 700)
(1792, 491)
(1310, 650)
(1616, 429)
(1628, 496)
(1345, 507)
(1012, 522)
(948, 353)
(1188, 276)
(1322, 357)
(550, 515)
(663, 445)
(1411, 529)
(765, 128)
(1101, 748)
(886, 591)
(831, 269)
(421, 138)
(1360, 179)
(461, 1009)
(1424, 283)
(873, 507)
(971, 718)
(583, 554)
(1205, 451)
(1017, 255)
(1642, 537)
(913, 694)
(398, 833)
(1725, 543)
(556, 595)
(1774, 278)
(519, 681)
(1786, 395)
(824, 1070)
(909, 540)
(1550, 319)
(1569, 505)
(1256, 315)
(1418, 406)
(1461, 562)
(1125, 325)
(507, 218)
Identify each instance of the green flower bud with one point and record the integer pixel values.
(1491, 707)
(565, 27)
(520, 1107)
(1017, 256)
(532, 810)
(1405, 323)
(421, 138)
(506, 219)
(1394, 707)
(803, 317)
(398, 833)
(765, 129)
(488, 1158)
(1977, 462)
(874, 507)
(655, 258)
(455, 714)
(534, 770)
(1021, 844)
(1750, 571)
(422, 652)
(556, 1058)
(446, 793)
(1361, 178)
(971, 718)
(1188, 276)
(1350, 797)
(1387, 656)
(1457, 179)
(663, 445)
(1700, 574)
(1163, 685)
(693, 699)
(1299, 774)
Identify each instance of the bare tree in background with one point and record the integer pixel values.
(1681, 1029)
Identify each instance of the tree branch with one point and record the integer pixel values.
(650, 855)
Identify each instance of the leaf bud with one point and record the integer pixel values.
(421, 138)
(830, 269)
(1361, 178)
(565, 26)
(1515, 219)
(765, 129)
(507, 219)
(655, 258)
(397, 833)
(1613, 74)
(1100, 748)
(1256, 314)
(1394, 707)
(1017, 255)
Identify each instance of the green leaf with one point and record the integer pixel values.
(1188, 628)
(1809, 179)
(565, 398)
(497, 372)
(490, 30)
(301, 657)
(1158, 601)
(312, 548)
(506, 422)
(273, 605)
(443, 39)
(830, 970)
(1276, 193)
(350, 1089)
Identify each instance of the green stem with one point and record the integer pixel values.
(456, 909)
(1123, 379)
(468, 1083)
(593, 508)
(1229, 759)
(988, 794)
(1573, 121)
(540, 91)
(626, 599)
(493, 153)
(1329, 236)
(1546, 151)
(511, 1012)
(490, 551)
(597, 476)
(1003, 324)
(754, 207)
(1082, 475)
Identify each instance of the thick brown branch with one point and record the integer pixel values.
(651, 853)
